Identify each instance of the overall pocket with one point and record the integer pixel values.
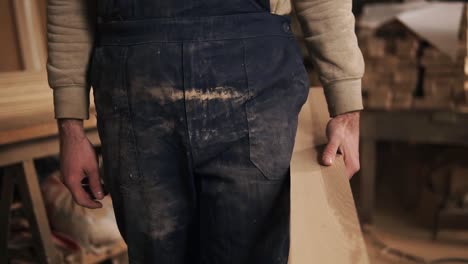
(278, 86)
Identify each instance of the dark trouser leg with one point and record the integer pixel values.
(242, 124)
(244, 216)
(156, 213)
(139, 99)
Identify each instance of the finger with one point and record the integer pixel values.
(329, 154)
(355, 168)
(352, 165)
(81, 197)
(95, 183)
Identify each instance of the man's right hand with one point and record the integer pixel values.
(77, 161)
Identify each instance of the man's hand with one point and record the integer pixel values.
(343, 137)
(77, 161)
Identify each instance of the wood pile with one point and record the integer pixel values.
(392, 71)
(405, 72)
(443, 80)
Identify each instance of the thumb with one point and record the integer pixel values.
(329, 154)
(95, 183)
(93, 175)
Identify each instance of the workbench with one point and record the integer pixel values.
(414, 126)
(28, 131)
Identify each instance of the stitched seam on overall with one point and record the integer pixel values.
(125, 86)
(178, 41)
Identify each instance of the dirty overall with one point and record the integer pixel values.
(197, 105)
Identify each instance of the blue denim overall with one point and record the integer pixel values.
(197, 105)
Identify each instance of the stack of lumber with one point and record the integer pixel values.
(444, 84)
(391, 55)
(405, 72)
(442, 80)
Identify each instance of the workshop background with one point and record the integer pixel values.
(412, 191)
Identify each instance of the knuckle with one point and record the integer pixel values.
(67, 183)
(78, 201)
(332, 146)
(355, 171)
(353, 167)
(94, 169)
(329, 154)
(357, 164)
(336, 138)
(93, 178)
(358, 167)
(91, 172)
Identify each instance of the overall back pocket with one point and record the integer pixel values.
(278, 86)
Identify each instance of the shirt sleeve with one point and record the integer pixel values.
(329, 34)
(69, 42)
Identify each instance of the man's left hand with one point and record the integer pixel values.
(343, 138)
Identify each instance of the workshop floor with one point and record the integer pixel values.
(396, 238)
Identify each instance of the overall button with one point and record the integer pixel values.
(286, 27)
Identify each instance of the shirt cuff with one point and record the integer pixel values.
(344, 96)
(71, 102)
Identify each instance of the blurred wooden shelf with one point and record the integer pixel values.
(417, 127)
(26, 107)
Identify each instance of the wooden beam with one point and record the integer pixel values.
(30, 34)
(31, 197)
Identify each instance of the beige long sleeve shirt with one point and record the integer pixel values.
(328, 27)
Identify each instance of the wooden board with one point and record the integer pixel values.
(324, 224)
